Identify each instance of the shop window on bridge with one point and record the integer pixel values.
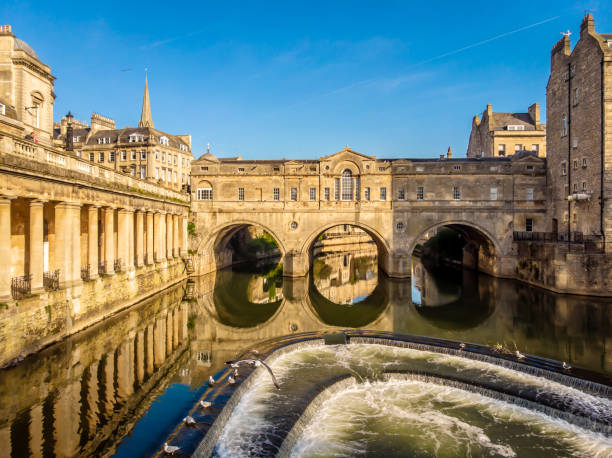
(401, 194)
(276, 194)
(326, 194)
(383, 193)
(205, 193)
(313, 193)
(456, 193)
(336, 188)
(366, 194)
(529, 224)
(347, 185)
(493, 193)
(294, 194)
(240, 193)
(529, 194)
(420, 194)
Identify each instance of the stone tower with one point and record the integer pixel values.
(145, 117)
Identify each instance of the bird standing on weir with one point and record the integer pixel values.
(256, 363)
(170, 449)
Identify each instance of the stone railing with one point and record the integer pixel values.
(36, 152)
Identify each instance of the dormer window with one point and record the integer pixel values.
(103, 140)
(163, 140)
(183, 147)
(515, 127)
(241, 169)
(136, 138)
(76, 139)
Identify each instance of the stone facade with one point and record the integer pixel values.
(505, 134)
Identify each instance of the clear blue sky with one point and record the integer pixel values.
(272, 80)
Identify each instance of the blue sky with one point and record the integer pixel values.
(301, 80)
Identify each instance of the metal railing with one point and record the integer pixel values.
(21, 286)
(101, 267)
(51, 280)
(86, 272)
(118, 265)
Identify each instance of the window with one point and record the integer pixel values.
(79, 153)
(169, 158)
(575, 165)
(529, 224)
(204, 169)
(584, 163)
(529, 194)
(163, 140)
(493, 193)
(529, 167)
(456, 168)
(366, 194)
(182, 178)
(240, 193)
(515, 127)
(91, 157)
(575, 187)
(420, 169)
(456, 193)
(381, 169)
(563, 168)
(575, 98)
(143, 155)
(163, 174)
(133, 170)
(157, 173)
(276, 194)
(123, 155)
(183, 147)
(157, 155)
(399, 226)
(277, 169)
(101, 157)
(76, 139)
(175, 159)
(501, 150)
(347, 185)
(535, 148)
(163, 156)
(143, 172)
(205, 194)
(294, 194)
(313, 168)
(133, 138)
(2, 109)
(336, 188)
(175, 177)
(420, 193)
(584, 185)
(401, 194)
(326, 193)
(518, 148)
(575, 143)
(241, 169)
(313, 193)
(103, 140)
(383, 193)
(564, 126)
(111, 156)
(133, 155)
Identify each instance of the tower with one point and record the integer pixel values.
(145, 117)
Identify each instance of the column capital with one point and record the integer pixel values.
(37, 202)
(8, 197)
(69, 205)
(125, 210)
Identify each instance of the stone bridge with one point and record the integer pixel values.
(398, 202)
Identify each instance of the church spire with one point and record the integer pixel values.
(145, 117)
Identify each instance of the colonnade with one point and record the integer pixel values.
(67, 242)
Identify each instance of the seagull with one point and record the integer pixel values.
(235, 372)
(205, 404)
(519, 355)
(170, 449)
(188, 420)
(256, 363)
(211, 381)
(231, 380)
(462, 345)
(566, 366)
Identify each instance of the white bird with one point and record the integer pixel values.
(566, 366)
(234, 365)
(519, 355)
(256, 363)
(211, 381)
(189, 420)
(170, 449)
(205, 404)
(231, 380)
(235, 372)
(462, 346)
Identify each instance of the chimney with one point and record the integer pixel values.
(441, 156)
(534, 114)
(449, 153)
(588, 25)
(489, 111)
(99, 122)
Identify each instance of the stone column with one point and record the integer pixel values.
(36, 245)
(176, 247)
(131, 243)
(139, 238)
(150, 244)
(169, 235)
(92, 240)
(185, 239)
(109, 240)
(157, 230)
(122, 237)
(68, 242)
(5, 247)
(162, 237)
(140, 357)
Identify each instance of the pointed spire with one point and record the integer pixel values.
(145, 117)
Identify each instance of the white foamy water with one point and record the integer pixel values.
(388, 417)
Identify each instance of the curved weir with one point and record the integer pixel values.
(472, 391)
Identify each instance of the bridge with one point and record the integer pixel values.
(398, 202)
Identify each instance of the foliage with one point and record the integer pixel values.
(191, 228)
(321, 270)
(191, 322)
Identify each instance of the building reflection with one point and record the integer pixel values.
(80, 397)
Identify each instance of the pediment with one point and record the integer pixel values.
(348, 154)
(527, 157)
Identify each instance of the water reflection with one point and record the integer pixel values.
(122, 386)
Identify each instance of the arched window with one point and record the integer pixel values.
(347, 185)
(204, 191)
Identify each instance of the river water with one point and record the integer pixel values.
(120, 387)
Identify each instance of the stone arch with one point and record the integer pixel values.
(477, 237)
(340, 166)
(384, 249)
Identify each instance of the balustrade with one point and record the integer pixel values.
(21, 286)
(51, 280)
(118, 265)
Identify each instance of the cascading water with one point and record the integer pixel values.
(392, 401)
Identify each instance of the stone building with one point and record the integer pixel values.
(143, 151)
(504, 134)
(79, 241)
(579, 140)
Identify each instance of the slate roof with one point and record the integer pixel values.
(23, 46)
(499, 121)
(10, 111)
